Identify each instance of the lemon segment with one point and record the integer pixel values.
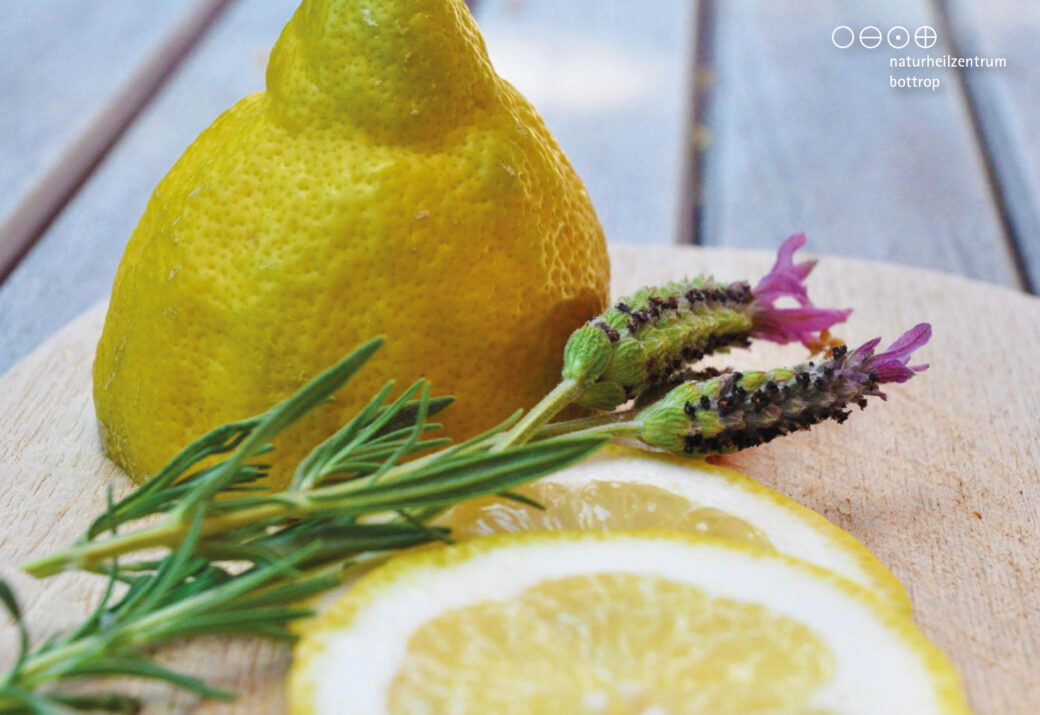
(625, 488)
(615, 622)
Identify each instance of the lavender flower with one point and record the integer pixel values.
(786, 279)
(738, 410)
(654, 335)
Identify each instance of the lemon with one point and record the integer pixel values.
(386, 182)
(615, 622)
(625, 488)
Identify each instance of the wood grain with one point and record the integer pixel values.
(808, 137)
(942, 482)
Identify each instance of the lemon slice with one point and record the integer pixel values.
(615, 622)
(624, 488)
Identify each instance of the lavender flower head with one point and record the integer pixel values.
(744, 409)
(786, 279)
(654, 336)
(890, 365)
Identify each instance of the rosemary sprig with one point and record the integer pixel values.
(240, 558)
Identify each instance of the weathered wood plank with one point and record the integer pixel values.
(607, 78)
(1006, 103)
(610, 79)
(806, 136)
(74, 262)
(74, 76)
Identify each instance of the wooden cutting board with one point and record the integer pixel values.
(942, 482)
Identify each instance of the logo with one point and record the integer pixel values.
(871, 36)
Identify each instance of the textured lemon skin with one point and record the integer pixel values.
(387, 182)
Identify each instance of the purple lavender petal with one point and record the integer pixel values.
(785, 325)
(908, 342)
(786, 279)
(785, 258)
(781, 285)
(864, 351)
(893, 372)
(802, 270)
(890, 365)
(785, 254)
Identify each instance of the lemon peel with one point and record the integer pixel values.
(386, 182)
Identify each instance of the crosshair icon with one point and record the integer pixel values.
(925, 37)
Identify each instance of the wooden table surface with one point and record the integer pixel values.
(942, 482)
(723, 123)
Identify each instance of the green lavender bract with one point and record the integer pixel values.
(743, 409)
(657, 331)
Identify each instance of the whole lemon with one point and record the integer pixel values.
(387, 182)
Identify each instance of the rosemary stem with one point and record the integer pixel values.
(551, 405)
(167, 532)
(612, 430)
(37, 669)
(34, 671)
(172, 529)
(557, 429)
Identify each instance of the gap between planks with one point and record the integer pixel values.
(696, 137)
(1014, 190)
(74, 166)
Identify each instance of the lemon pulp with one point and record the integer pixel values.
(594, 506)
(611, 643)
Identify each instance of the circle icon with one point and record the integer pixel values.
(870, 37)
(898, 37)
(839, 34)
(925, 37)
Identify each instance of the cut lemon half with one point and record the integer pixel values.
(624, 488)
(615, 622)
